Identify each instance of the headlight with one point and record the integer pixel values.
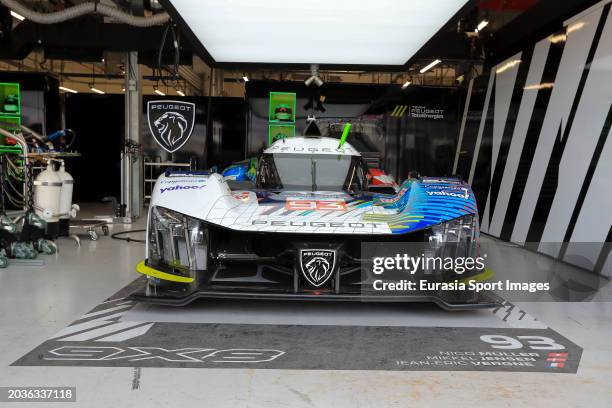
(458, 238)
(459, 230)
(177, 241)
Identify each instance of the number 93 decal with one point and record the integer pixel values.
(498, 341)
(315, 205)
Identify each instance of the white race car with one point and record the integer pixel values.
(297, 233)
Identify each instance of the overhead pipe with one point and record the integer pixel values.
(314, 76)
(83, 9)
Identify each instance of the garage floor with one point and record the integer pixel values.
(332, 354)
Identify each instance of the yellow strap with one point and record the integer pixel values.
(147, 270)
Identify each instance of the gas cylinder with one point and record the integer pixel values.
(65, 207)
(47, 190)
(65, 203)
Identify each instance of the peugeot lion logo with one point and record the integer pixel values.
(171, 123)
(317, 265)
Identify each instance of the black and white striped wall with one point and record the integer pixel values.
(535, 143)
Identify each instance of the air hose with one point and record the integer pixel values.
(128, 239)
(85, 8)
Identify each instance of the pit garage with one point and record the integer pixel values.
(305, 204)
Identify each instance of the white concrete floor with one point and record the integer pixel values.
(36, 303)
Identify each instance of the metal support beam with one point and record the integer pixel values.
(131, 166)
(217, 87)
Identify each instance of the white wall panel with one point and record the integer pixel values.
(583, 137)
(596, 214)
(536, 68)
(504, 87)
(483, 120)
(566, 84)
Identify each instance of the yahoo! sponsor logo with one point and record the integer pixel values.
(179, 187)
(459, 194)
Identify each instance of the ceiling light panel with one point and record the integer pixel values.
(387, 32)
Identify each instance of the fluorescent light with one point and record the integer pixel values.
(507, 66)
(543, 85)
(406, 84)
(482, 25)
(429, 66)
(575, 26)
(96, 90)
(315, 31)
(17, 16)
(570, 29)
(245, 78)
(557, 38)
(63, 88)
(157, 91)
(178, 91)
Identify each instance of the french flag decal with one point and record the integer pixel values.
(556, 360)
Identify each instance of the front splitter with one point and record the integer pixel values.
(484, 300)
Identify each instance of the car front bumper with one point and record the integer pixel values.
(184, 293)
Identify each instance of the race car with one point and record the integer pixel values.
(297, 232)
(381, 182)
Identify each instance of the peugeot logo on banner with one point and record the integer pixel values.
(171, 123)
(317, 265)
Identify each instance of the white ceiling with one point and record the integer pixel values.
(380, 32)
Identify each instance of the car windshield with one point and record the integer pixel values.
(310, 172)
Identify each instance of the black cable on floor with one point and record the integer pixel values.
(128, 239)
